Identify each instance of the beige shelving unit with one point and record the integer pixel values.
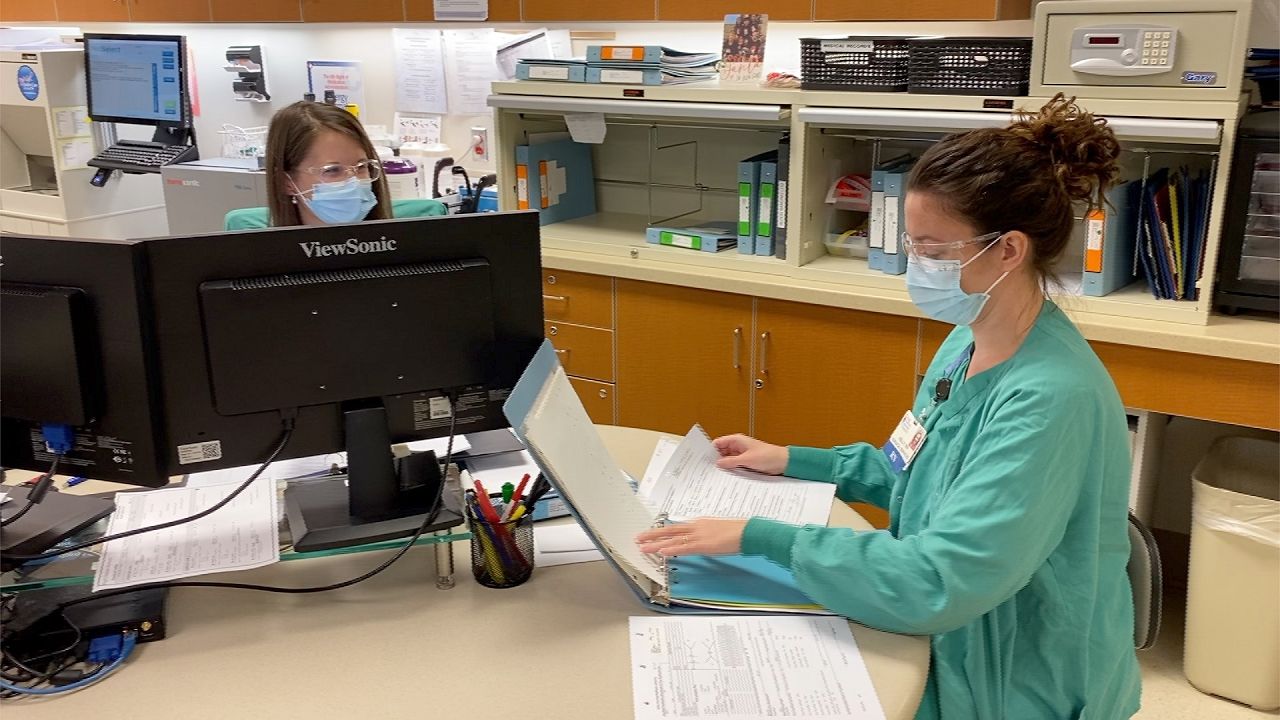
(831, 133)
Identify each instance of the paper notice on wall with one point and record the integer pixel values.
(424, 129)
(420, 84)
(75, 152)
(343, 78)
(472, 64)
(511, 48)
(71, 122)
(462, 10)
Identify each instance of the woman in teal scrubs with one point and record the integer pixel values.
(1008, 540)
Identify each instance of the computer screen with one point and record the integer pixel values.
(138, 79)
(75, 341)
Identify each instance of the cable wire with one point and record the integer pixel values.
(130, 641)
(36, 493)
(285, 436)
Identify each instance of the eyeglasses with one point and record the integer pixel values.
(337, 172)
(946, 250)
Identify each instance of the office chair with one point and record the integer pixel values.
(1145, 578)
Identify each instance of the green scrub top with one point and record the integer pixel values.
(258, 218)
(1009, 535)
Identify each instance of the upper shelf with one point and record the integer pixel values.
(712, 91)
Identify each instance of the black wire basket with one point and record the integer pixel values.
(878, 64)
(970, 66)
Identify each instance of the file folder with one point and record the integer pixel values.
(875, 228)
(648, 54)
(707, 237)
(558, 176)
(547, 416)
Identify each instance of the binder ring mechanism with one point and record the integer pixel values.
(663, 595)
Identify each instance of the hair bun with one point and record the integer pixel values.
(1081, 148)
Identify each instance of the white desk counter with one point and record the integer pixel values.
(394, 646)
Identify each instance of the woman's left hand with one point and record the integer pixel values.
(705, 536)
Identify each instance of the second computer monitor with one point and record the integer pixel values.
(137, 79)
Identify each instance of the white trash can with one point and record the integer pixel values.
(1233, 586)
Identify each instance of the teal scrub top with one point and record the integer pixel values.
(1008, 542)
(258, 218)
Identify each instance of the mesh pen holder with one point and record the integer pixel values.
(502, 553)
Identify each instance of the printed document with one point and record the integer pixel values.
(749, 668)
(242, 534)
(691, 486)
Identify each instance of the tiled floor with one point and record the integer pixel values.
(1166, 694)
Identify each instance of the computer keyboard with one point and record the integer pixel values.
(143, 157)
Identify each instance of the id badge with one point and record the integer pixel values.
(905, 442)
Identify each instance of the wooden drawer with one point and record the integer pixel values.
(597, 397)
(577, 298)
(584, 351)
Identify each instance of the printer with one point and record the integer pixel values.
(199, 194)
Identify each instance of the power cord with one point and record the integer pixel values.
(127, 646)
(36, 493)
(281, 444)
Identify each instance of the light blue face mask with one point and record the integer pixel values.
(934, 286)
(337, 203)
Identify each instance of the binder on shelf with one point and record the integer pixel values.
(748, 203)
(893, 261)
(766, 213)
(875, 227)
(784, 176)
(708, 237)
(546, 414)
(1111, 239)
(551, 69)
(650, 54)
(558, 178)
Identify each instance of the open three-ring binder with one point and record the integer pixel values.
(546, 414)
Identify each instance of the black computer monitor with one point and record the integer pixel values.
(366, 334)
(74, 341)
(139, 80)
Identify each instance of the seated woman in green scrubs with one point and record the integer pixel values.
(1007, 483)
(322, 170)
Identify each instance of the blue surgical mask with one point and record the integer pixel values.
(934, 286)
(336, 203)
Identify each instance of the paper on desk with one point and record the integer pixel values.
(749, 668)
(460, 445)
(494, 470)
(661, 455)
(241, 535)
(562, 545)
(4, 498)
(691, 486)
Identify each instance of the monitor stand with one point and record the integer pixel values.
(380, 498)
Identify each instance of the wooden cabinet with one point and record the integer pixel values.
(597, 398)
(584, 352)
(715, 10)
(684, 357)
(572, 10)
(168, 11)
(256, 10)
(92, 10)
(577, 298)
(922, 10)
(348, 11)
(499, 10)
(28, 10)
(828, 376)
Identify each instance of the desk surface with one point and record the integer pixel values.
(394, 646)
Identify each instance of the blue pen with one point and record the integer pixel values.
(75, 481)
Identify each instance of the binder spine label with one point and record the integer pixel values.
(522, 187)
(618, 52)
(1094, 225)
(548, 72)
(680, 240)
(781, 221)
(891, 227)
(765, 227)
(876, 239)
(622, 76)
(545, 200)
(744, 208)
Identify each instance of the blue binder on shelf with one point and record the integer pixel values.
(557, 177)
(1111, 241)
(548, 417)
(767, 212)
(552, 69)
(875, 223)
(647, 54)
(708, 237)
(894, 258)
(625, 75)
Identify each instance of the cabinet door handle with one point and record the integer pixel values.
(764, 353)
(737, 348)
(556, 298)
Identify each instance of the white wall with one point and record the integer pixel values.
(287, 47)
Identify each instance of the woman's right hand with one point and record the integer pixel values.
(740, 451)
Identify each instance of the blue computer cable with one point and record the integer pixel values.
(130, 640)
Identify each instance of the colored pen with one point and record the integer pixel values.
(75, 481)
(507, 491)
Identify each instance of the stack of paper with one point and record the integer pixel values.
(647, 65)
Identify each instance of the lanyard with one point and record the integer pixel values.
(942, 389)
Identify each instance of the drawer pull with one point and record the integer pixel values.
(737, 348)
(764, 353)
(556, 298)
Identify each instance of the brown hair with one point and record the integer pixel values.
(1027, 176)
(289, 139)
